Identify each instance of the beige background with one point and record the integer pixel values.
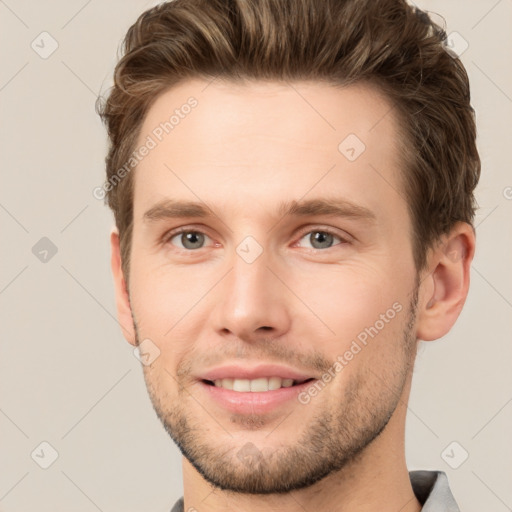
(67, 376)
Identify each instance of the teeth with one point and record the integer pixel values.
(260, 384)
(274, 383)
(254, 385)
(241, 385)
(224, 383)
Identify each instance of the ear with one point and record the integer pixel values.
(445, 285)
(124, 314)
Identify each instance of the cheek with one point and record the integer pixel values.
(367, 308)
(165, 305)
(347, 298)
(162, 294)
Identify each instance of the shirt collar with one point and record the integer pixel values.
(433, 491)
(430, 487)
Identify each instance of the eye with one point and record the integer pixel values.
(321, 239)
(188, 239)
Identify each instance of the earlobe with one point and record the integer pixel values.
(445, 288)
(124, 313)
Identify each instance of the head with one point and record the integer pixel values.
(329, 148)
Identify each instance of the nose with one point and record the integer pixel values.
(252, 302)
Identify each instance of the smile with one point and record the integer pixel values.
(261, 384)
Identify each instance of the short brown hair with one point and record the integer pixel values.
(383, 42)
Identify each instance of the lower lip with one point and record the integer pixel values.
(258, 402)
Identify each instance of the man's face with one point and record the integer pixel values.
(319, 294)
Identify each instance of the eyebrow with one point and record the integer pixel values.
(171, 208)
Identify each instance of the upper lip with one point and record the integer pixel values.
(234, 371)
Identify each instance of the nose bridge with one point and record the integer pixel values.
(251, 296)
(249, 281)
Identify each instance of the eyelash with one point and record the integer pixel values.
(170, 235)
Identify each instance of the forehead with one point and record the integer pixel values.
(225, 141)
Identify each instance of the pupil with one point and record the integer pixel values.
(191, 240)
(324, 239)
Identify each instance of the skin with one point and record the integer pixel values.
(242, 151)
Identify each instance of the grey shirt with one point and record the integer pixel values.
(430, 487)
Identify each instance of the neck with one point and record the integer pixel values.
(377, 480)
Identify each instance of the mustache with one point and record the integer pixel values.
(312, 361)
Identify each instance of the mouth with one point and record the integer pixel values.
(254, 389)
(259, 385)
(257, 396)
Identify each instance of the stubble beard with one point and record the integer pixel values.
(332, 440)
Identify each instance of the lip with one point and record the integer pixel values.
(253, 402)
(234, 371)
